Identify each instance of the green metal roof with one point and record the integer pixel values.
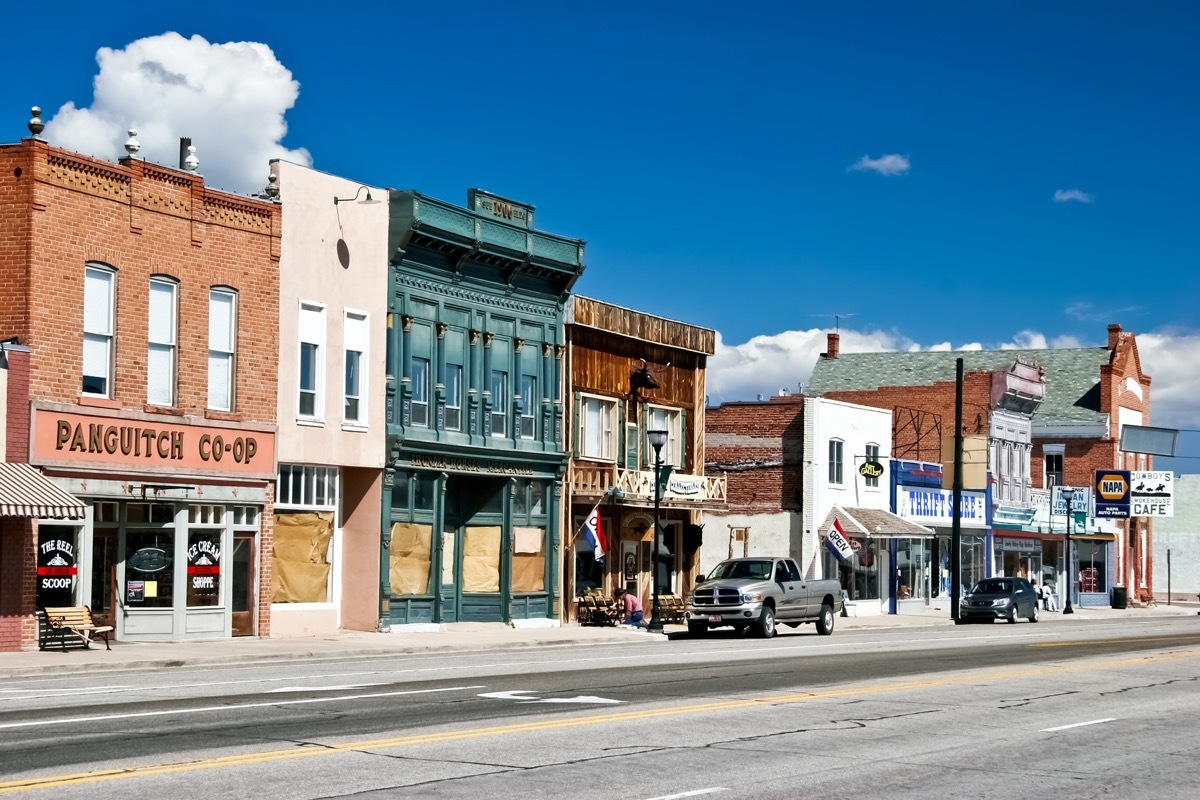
(1072, 375)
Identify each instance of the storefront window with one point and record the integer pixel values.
(57, 570)
(204, 568)
(149, 578)
(1092, 564)
(859, 575)
(912, 568)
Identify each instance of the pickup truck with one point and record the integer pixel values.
(759, 592)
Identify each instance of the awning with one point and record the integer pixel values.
(25, 492)
(872, 522)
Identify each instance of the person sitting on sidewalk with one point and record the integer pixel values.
(1049, 599)
(633, 607)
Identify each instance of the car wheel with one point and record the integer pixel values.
(1012, 616)
(697, 629)
(1035, 615)
(825, 621)
(766, 623)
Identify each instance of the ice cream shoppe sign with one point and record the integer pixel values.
(142, 443)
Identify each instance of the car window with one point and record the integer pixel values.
(793, 572)
(993, 586)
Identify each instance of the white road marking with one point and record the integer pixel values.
(321, 688)
(207, 709)
(526, 696)
(693, 793)
(1077, 725)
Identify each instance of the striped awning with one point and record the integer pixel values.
(25, 492)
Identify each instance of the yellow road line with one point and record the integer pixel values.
(554, 724)
(1089, 642)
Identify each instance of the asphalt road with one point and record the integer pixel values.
(1016, 711)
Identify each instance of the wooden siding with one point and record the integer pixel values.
(643, 328)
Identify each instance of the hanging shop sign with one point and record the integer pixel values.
(1151, 494)
(56, 567)
(871, 469)
(1112, 493)
(67, 438)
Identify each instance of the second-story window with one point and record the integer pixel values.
(161, 333)
(669, 420)
(312, 362)
(454, 373)
(835, 461)
(873, 455)
(500, 401)
(355, 407)
(222, 348)
(420, 391)
(528, 407)
(1054, 469)
(597, 420)
(98, 317)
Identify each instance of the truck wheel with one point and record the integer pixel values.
(825, 621)
(766, 623)
(697, 629)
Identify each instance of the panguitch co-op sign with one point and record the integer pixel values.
(70, 438)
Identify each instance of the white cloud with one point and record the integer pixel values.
(229, 98)
(890, 164)
(1170, 361)
(766, 364)
(1068, 195)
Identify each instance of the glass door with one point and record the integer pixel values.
(242, 582)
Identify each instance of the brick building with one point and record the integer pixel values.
(1044, 417)
(149, 306)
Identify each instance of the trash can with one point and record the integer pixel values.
(1120, 598)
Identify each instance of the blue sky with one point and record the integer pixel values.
(932, 174)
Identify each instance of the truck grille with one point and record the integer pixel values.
(718, 596)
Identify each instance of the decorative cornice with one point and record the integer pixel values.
(458, 292)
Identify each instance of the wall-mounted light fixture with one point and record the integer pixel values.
(366, 201)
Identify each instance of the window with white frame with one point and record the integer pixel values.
(356, 340)
(597, 423)
(420, 391)
(836, 450)
(1054, 464)
(873, 455)
(311, 374)
(528, 423)
(454, 373)
(500, 401)
(306, 534)
(161, 334)
(222, 348)
(666, 419)
(99, 284)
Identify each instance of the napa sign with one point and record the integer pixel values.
(925, 505)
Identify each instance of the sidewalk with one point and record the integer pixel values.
(463, 637)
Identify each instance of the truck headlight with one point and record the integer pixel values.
(752, 598)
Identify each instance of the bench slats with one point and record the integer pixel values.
(61, 622)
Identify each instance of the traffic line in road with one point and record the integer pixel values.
(1186, 639)
(1078, 725)
(208, 709)
(693, 793)
(558, 723)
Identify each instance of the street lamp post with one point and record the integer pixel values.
(657, 440)
(1069, 496)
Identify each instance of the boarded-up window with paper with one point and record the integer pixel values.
(410, 557)
(300, 557)
(481, 559)
(529, 560)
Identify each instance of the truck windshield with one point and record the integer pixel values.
(742, 569)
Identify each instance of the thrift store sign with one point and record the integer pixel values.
(935, 507)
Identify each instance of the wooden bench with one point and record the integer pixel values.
(65, 623)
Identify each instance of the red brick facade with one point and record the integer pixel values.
(760, 448)
(60, 211)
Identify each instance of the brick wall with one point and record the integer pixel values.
(760, 449)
